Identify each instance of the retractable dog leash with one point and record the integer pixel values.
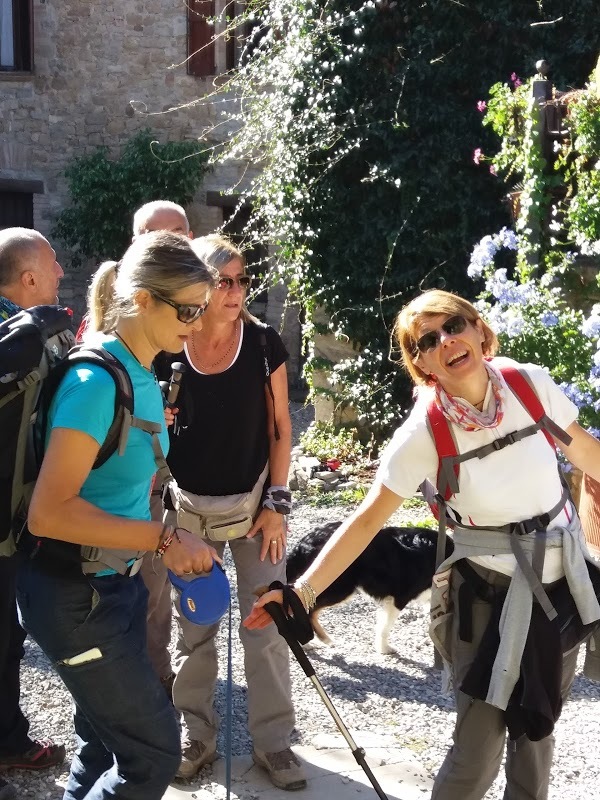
(297, 630)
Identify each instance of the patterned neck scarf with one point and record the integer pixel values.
(7, 308)
(466, 416)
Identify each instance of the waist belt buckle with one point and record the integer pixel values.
(134, 568)
(522, 528)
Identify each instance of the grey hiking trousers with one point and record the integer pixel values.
(266, 659)
(474, 759)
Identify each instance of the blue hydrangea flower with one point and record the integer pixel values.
(482, 256)
(581, 397)
(507, 238)
(549, 319)
(591, 326)
(514, 326)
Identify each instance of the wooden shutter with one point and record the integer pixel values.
(22, 26)
(201, 45)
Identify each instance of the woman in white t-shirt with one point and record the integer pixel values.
(516, 533)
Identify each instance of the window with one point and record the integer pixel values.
(219, 45)
(16, 209)
(201, 47)
(15, 36)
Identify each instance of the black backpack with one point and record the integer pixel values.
(36, 349)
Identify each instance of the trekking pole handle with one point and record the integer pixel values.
(175, 383)
(283, 626)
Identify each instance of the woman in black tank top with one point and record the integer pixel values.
(233, 429)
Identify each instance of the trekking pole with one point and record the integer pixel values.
(284, 627)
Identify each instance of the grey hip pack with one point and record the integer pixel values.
(220, 518)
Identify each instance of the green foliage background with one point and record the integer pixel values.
(377, 171)
(105, 193)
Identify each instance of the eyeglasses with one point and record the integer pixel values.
(430, 340)
(226, 283)
(186, 312)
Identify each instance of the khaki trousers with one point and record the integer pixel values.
(266, 659)
(160, 607)
(474, 759)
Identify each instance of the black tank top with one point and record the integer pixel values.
(222, 445)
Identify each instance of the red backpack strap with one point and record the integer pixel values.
(445, 447)
(522, 388)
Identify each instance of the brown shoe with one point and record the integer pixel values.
(194, 756)
(284, 768)
(41, 755)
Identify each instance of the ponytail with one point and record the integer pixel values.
(100, 298)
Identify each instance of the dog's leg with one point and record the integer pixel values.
(387, 614)
(318, 628)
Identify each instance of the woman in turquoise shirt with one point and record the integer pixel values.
(88, 617)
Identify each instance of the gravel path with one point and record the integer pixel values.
(399, 692)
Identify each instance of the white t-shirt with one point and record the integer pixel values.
(516, 483)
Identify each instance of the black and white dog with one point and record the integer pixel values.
(396, 567)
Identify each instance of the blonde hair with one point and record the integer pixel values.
(218, 251)
(432, 304)
(99, 296)
(159, 262)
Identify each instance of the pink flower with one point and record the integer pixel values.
(493, 169)
(481, 105)
(516, 80)
(477, 155)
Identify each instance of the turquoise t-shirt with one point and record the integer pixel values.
(85, 401)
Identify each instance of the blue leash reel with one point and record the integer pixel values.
(205, 598)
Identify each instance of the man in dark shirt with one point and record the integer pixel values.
(29, 276)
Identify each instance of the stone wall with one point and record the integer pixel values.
(91, 61)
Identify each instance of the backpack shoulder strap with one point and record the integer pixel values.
(521, 386)
(445, 445)
(261, 328)
(101, 357)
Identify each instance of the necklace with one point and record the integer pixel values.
(219, 360)
(126, 346)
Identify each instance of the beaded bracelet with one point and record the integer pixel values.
(168, 533)
(308, 595)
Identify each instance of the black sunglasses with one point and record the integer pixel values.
(225, 282)
(430, 340)
(186, 313)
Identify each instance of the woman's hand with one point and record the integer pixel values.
(258, 616)
(189, 554)
(170, 414)
(273, 528)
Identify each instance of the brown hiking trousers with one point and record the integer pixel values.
(474, 760)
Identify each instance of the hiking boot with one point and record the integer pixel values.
(284, 768)
(167, 684)
(195, 755)
(7, 790)
(41, 755)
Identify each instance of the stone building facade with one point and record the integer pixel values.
(91, 67)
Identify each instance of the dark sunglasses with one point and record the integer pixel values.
(186, 313)
(225, 282)
(430, 340)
